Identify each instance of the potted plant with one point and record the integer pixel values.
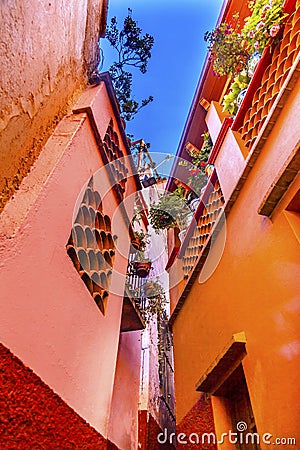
(263, 24)
(156, 296)
(141, 265)
(168, 212)
(228, 48)
(197, 177)
(152, 289)
(140, 240)
(239, 85)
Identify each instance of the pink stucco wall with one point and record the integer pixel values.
(229, 164)
(214, 119)
(47, 316)
(123, 426)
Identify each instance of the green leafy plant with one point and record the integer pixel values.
(197, 177)
(197, 180)
(239, 83)
(156, 299)
(199, 158)
(155, 294)
(264, 23)
(169, 212)
(228, 48)
(133, 50)
(140, 257)
(142, 238)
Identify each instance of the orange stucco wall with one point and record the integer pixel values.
(255, 288)
(48, 317)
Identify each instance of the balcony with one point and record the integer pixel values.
(198, 239)
(241, 139)
(133, 303)
(132, 319)
(274, 78)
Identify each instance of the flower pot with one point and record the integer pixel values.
(194, 203)
(148, 291)
(142, 268)
(136, 243)
(252, 63)
(182, 234)
(240, 97)
(166, 222)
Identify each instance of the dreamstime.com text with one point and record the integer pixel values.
(241, 436)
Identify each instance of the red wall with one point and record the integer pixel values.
(198, 420)
(33, 416)
(148, 432)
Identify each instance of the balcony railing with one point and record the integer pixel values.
(279, 66)
(207, 221)
(134, 303)
(199, 233)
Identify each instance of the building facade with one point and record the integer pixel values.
(76, 370)
(235, 277)
(66, 233)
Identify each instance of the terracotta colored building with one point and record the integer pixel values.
(235, 278)
(73, 369)
(64, 233)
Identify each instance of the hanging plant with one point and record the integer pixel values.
(228, 48)
(156, 299)
(168, 212)
(140, 240)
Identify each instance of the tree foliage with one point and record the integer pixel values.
(133, 50)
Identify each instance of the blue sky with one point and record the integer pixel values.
(174, 68)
